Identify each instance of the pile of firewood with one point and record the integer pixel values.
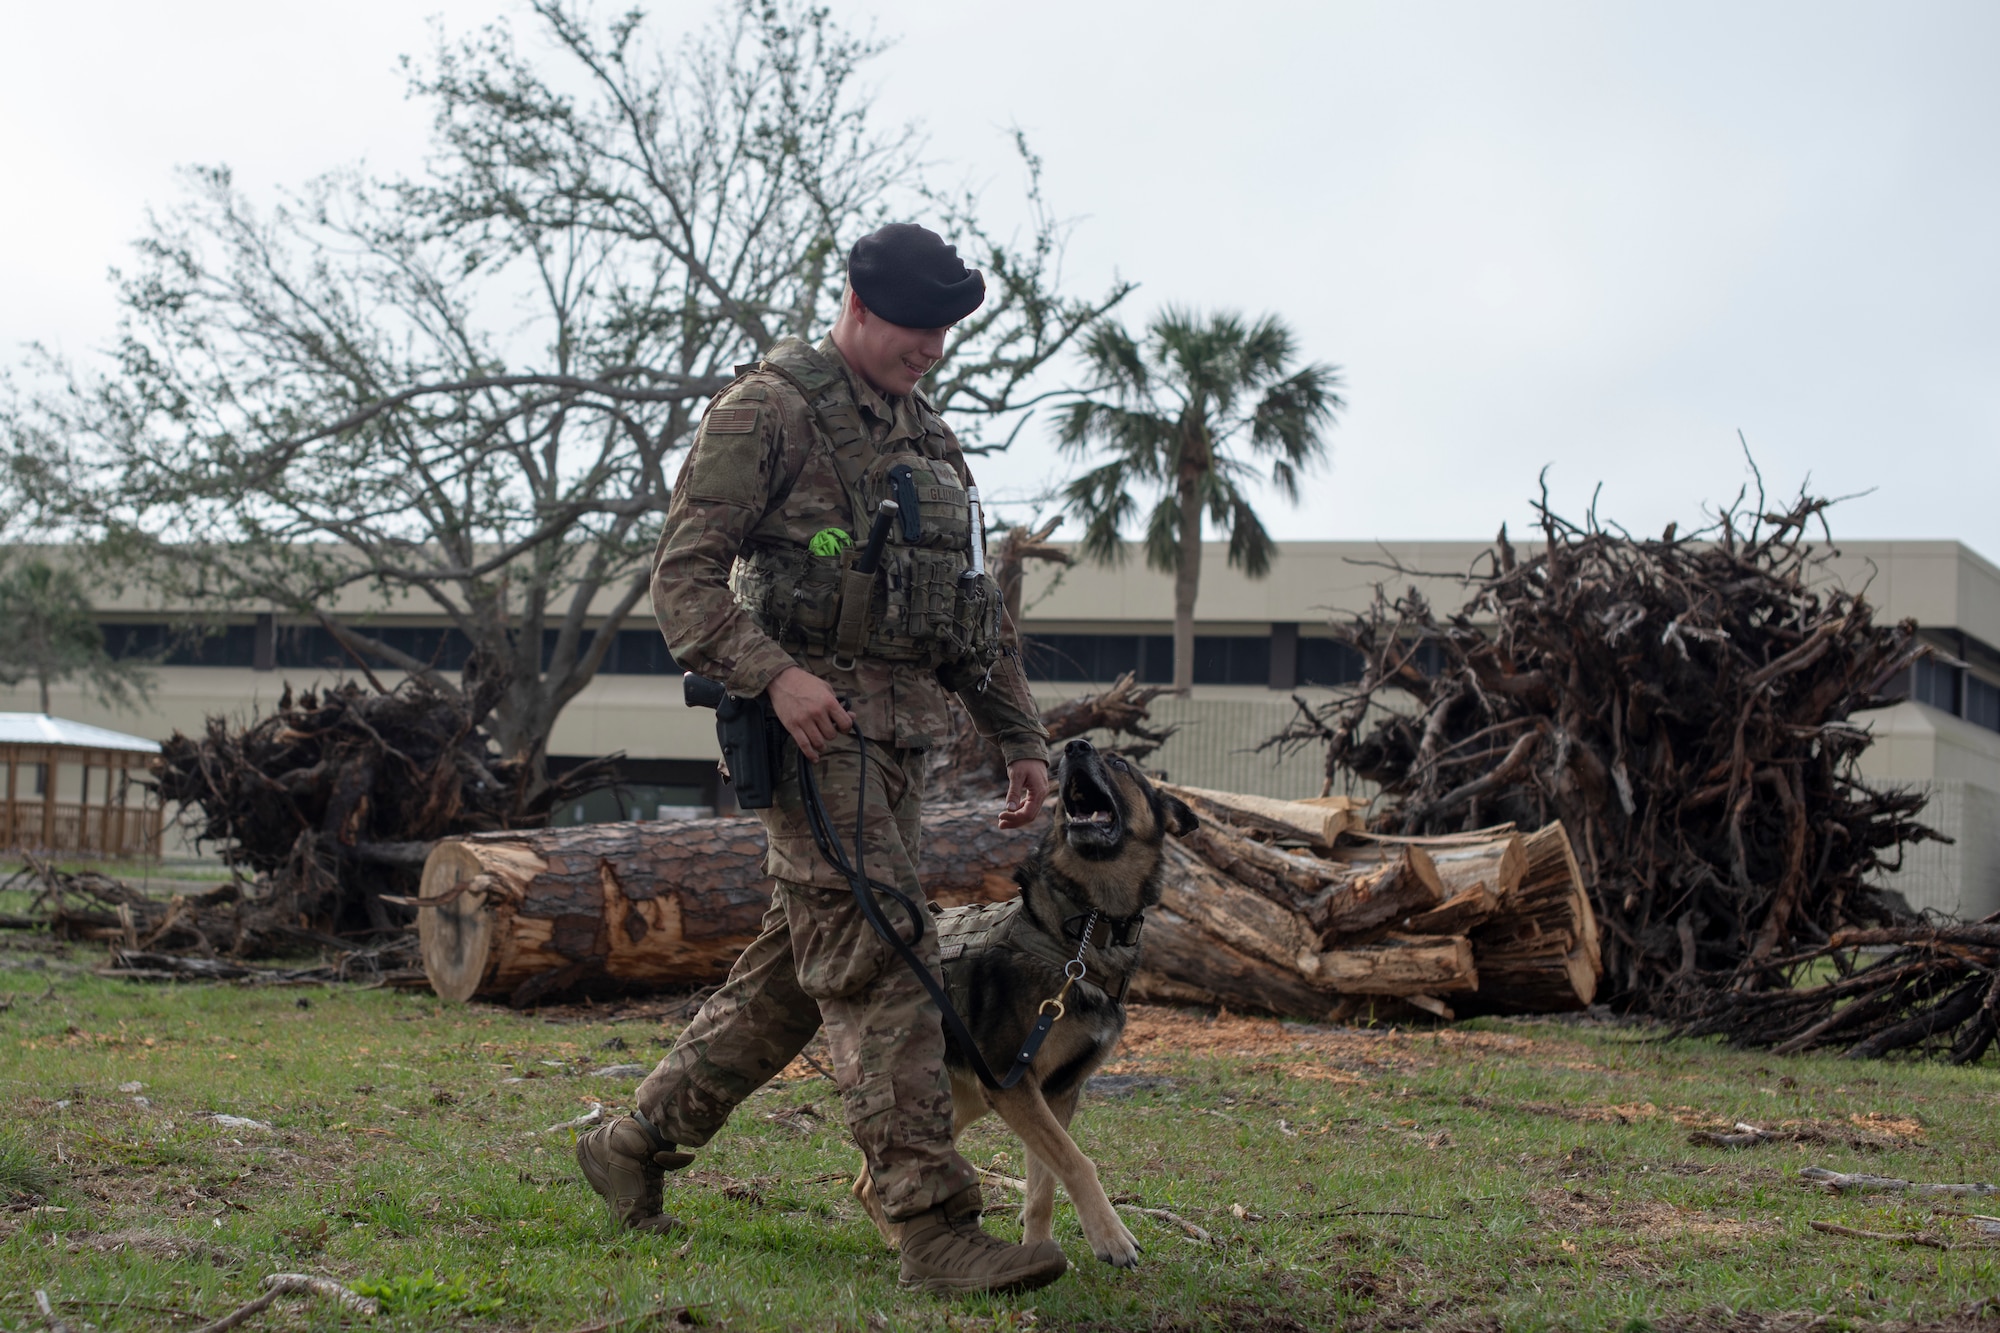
(1931, 988)
(1681, 705)
(1279, 906)
(332, 802)
(1289, 906)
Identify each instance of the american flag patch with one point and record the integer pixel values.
(951, 951)
(731, 421)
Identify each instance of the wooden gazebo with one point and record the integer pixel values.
(69, 789)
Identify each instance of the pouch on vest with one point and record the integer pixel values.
(917, 608)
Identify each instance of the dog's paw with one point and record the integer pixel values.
(1116, 1247)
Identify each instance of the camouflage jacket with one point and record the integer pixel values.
(756, 436)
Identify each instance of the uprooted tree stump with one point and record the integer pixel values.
(334, 799)
(1682, 705)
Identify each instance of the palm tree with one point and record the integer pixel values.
(48, 632)
(1175, 413)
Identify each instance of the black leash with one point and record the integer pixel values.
(855, 873)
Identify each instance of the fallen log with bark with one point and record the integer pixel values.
(527, 915)
(1681, 705)
(1278, 906)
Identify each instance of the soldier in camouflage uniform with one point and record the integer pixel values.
(753, 585)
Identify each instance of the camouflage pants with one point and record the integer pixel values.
(818, 963)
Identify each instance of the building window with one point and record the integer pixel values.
(1232, 660)
(182, 645)
(1219, 659)
(1100, 657)
(1934, 683)
(1949, 689)
(1982, 702)
(640, 652)
(313, 647)
(267, 646)
(1328, 662)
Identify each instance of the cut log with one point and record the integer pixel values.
(1318, 822)
(1235, 915)
(1457, 914)
(1184, 964)
(1284, 877)
(1401, 965)
(523, 915)
(527, 914)
(967, 857)
(1496, 860)
(1373, 898)
(1540, 954)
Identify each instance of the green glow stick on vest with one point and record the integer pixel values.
(829, 542)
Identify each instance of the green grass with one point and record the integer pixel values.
(195, 869)
(1516, 1176)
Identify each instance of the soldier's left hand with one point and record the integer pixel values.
(1027, 788)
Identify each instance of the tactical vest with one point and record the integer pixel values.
(967, 932)
(925, 605)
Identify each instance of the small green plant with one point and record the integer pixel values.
(426, 1292)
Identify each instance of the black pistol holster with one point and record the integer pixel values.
(753, 741)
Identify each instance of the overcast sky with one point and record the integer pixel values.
(1602, 237)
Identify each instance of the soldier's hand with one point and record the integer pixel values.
(809, 710)
(1027, 788)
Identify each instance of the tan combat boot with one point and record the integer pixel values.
(945, 1250)
(626, 1161)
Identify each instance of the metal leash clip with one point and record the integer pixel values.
(1074, 970)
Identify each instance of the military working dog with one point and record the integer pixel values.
(1098, 866)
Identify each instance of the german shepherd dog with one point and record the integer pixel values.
(1102, 853)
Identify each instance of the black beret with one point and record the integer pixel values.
(909, 276)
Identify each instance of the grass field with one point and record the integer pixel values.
(1492, 1175)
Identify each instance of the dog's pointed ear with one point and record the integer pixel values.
(1180, 820)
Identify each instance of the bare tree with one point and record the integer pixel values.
(463, 391)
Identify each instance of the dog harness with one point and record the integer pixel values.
(1110, 955)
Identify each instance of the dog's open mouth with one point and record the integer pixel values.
(1088, 803)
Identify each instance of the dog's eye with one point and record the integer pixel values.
(1119, 764)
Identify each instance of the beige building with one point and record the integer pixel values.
(1258, 643)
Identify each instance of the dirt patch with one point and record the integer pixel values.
(1800, 1321)
(1894, 1126)
(1627, 1113)
(1646, 1219)
(154, 1244)
(1339, 1055)
(1871, 1133)
(1316, 1073)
